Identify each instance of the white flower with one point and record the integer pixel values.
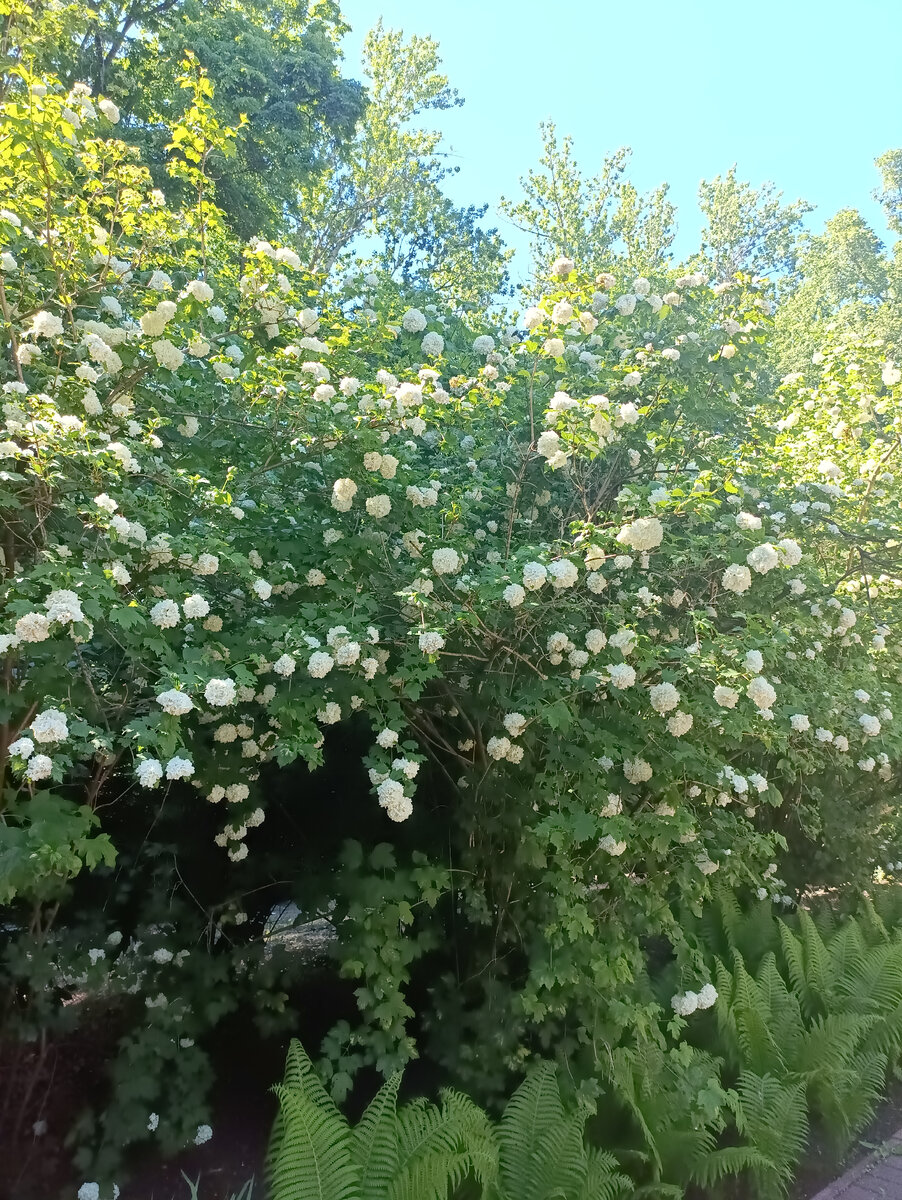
(746, 520)
(63, 606)
(637, 770)
(343, 493)
(622, 675)
(39, 767)
(680, 723)
(513, 595)
(684, 1004)
(869, 724)
(89, 1191)
(22, 747)
(179, 768)
(284, 665)
(625, 304)
(763, 558)
(195, 606)
(149, 772)
(153, 1122)
(392, 798)
(484, 344)
(431, 643)
(175, 703)
(624, 640)
(726, 697)
(498, 747)
(320, 664)
(33, 627)
(262, 589)
(167, 355)
(707, 996)
(663, 697)
(761, 692)
(330, 715)
(515, 723)
(413, 321)
(220, 692)
(165, 614)
(204, 1133)
(45, 324)
(315, 577)
(534, 576)
(563, 574)
(432, 344)
(790, 552)
(754, 662)
(645, 533)
(799, 722)
(378, 506)
(445, 561)
(737, 578)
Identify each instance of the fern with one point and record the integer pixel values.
(534, 1107)
(773, 1116)
(375, 1141)
(313, 1160)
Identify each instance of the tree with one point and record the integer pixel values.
(598, 221)
(275, 61)
(382, 193)
(844, 279)
(749, 229)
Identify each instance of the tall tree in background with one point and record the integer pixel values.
(597, 220)
(750, 229)
(276, 61)
(383, 193)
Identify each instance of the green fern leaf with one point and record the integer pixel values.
(313, 1160)
(534, 1107)
(374, 1142)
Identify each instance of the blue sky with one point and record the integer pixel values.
(802, 92)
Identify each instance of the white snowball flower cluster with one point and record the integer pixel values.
(754, 662)
(165, 614)
(637, 770)
(513, 595)
(534, 576)
(33, 627)
(515, 723)
(219, 693)
(645, 533)
(39, 767)
(726, 697)
(564, 574)
(343, 493)
(685, 1004)
(195, 607)
(445, 561)
(433, 344)
(763, 558)
(175, 702)
(320, 664)
(64, 607)
(150, 772)
(621, 675)
(378, 506)
(869, 724)
(737, 578)
(431, 643)
(394, 800)
(663, 697)
(413, 321)
(50, 726)
(179, 768)
(761, 692)
(680, 723)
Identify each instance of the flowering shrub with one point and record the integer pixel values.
(613, 620)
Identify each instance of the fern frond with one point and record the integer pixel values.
(772, 1114)
(534, 1107)
(730, 1160)
(559, 1163)
(313, 1159)
(374, 1142)
(604, 1180)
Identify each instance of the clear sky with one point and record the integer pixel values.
(805, 93)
